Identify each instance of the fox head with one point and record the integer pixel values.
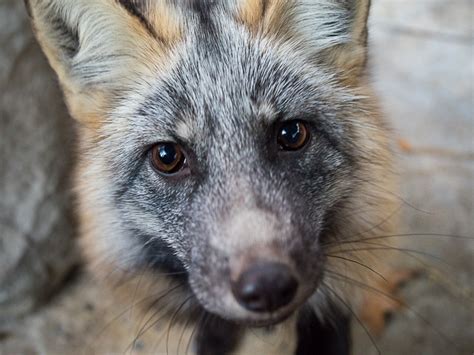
(225, 146)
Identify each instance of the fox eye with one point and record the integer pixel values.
(168, 158)
(292, 135)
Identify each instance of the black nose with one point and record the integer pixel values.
(265, 287)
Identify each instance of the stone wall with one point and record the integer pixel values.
(36, 154)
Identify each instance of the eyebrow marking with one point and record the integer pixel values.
(184, 130)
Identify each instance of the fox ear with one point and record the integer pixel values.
(350, 56)
(333, 31)
(96, 46)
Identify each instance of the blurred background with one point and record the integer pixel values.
(422, 58)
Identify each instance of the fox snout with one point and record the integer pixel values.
(262, 278)
(259, 268)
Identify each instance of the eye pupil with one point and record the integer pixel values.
(167, 153)
(293, 135)
(167, 158)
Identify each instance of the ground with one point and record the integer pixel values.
(423, 68)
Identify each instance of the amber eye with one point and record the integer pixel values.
(292, 135)
(167, 158)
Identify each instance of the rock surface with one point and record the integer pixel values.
(422, 55)
(36, 224)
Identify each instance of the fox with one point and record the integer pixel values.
(231, 154)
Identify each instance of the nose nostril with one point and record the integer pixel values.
(287, 290)
(254, 301)
(265, 287)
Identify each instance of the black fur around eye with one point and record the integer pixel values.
(168, 158)
(292, 135)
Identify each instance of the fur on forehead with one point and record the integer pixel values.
(180, 105)
(104, 49)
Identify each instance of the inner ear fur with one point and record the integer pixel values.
(96, 48)
(351, 57)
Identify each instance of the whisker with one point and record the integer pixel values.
(371, 183)
(208, 317)
(358, 263)
(121, 314)
(414, 257)
(360, 284)
(375, 226)
(147, 326)
(200, 323)
(380, 247)
(124, 272)
(135, 292)
(436, 273)
(175, 314)
(188, 320)
(349, 308)
(405, 235)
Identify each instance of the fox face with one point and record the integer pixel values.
(225, 147)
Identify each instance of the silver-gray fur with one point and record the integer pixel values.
(220, 94)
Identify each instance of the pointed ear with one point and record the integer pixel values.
(96, 47)
(350, 56)
(331, 31)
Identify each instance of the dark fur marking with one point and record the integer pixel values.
(137, 10)
(124, 185)
(160, 256)
(204, 10)
(69, 37)
(217, 336)
(203, 7)
(314, 337)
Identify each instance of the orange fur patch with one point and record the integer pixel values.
(251, 12)
(167, 22)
